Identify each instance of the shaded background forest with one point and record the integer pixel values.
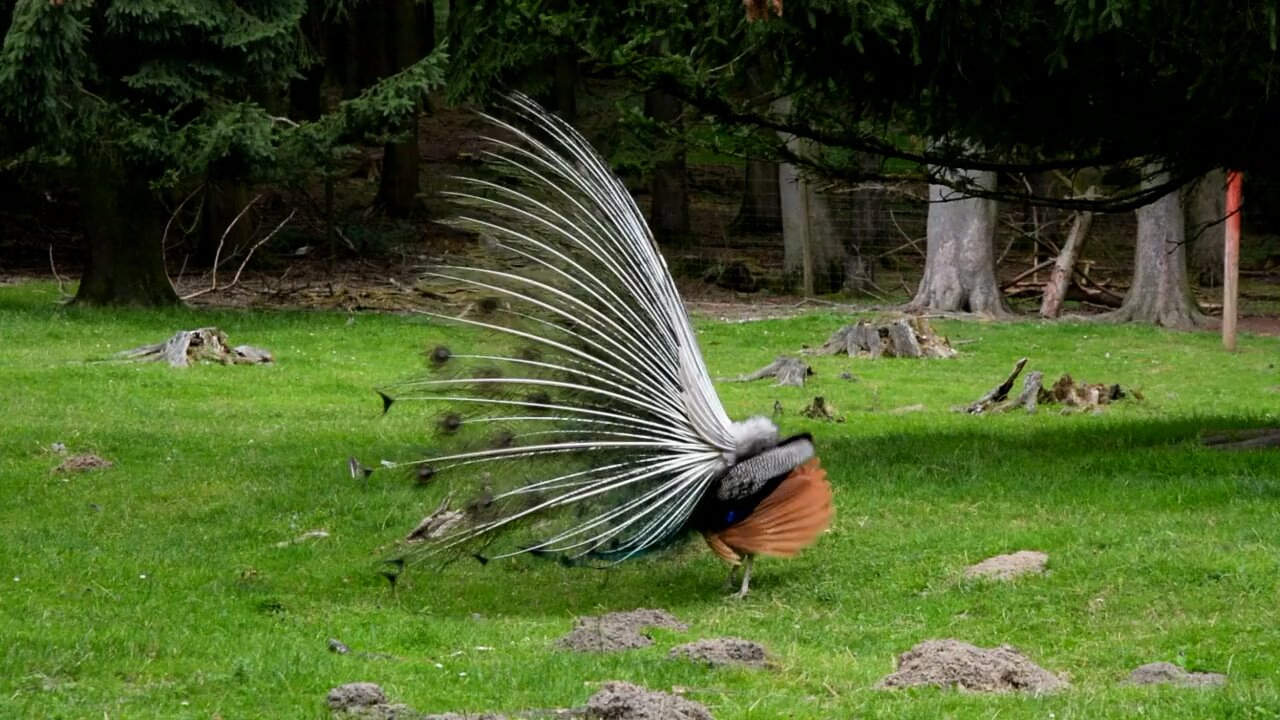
(308, 141)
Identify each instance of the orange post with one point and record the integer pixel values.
(1231, 260)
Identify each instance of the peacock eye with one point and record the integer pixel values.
(451, 422)
(440, 355)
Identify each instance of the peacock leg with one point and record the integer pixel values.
(733, 577)
(746, 576)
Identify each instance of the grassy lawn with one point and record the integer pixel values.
(156, 589)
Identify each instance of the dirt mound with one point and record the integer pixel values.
(1163, 673)
(355, 696)
(951, 663)
(456, 716)
(624, 701)
(617, 631)
(80, 463)
(719, 652)
(1007, 567)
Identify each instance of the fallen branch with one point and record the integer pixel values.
(1073, 396)
(997, 393)
(54, 268)
(1055, 290)
(236, 279)
(1244, 439)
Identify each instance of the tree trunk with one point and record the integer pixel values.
(224, 199)
(813, 246)
(1160, 293)
(126, 245)
(1206, 232)
(866, 213)
(565, 88)
(399, 183)
(761, 208)
(960, 263)
(669, 213)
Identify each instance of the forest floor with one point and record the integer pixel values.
(204, 572)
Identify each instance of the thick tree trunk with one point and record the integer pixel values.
(1160, 293)
(960, 264)
(126, 246)
(813, 247)
(1206, 207)
(399, 184)
(669, 213)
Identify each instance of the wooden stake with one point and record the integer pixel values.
(1231, 261)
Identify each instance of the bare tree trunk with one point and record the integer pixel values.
(960, 263)
(125, 264)
(813, 246)
(1055, 290)
(1206, 206)
(1160, 293)
(669, 213)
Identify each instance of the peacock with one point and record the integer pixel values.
(575, 418)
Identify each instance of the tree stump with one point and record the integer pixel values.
(911, 337)
(191, 346)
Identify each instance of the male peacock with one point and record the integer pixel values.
(584, 424)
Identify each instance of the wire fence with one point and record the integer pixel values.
(872, 239)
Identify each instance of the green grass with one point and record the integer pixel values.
(155, 589)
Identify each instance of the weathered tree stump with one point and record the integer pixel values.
(191, 346)
(788, 370)
(911, 337)
(820, 409)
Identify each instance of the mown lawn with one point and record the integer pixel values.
(156, 589)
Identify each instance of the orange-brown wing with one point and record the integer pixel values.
(786, 522)
(725, 552)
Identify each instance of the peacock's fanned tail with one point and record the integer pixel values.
(577, 417)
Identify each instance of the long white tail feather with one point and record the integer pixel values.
(592, 409)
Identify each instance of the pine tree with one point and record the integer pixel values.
(130, 98)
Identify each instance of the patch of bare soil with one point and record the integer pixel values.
(81, 463)
(367, 701)
(624, 701)
(951, 663)
(720, 652)
(1163, 673)
(1007, 567)
(617, 631)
